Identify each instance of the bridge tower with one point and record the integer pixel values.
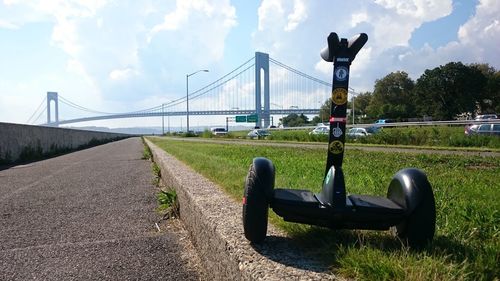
(52, 96)
(262, 73)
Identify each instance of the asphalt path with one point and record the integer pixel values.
(88, 215)
(322, 145)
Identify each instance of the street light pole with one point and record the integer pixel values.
(162, 119)
(187, 96)
(352, 100)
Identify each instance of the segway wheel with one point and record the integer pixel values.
(259, 186)
(411, 189)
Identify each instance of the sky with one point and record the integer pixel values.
(127, 55)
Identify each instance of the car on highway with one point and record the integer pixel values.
(486, 117)
(320, 130)
(484, 129)
(373, 130)
(258, 134)
(218, 131)
(357, 133)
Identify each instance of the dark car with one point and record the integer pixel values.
(258, 133)
(373, 129)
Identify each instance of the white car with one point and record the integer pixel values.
(320, 130)
(486, 117)
(357, 133)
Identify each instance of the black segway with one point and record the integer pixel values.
(409, 205)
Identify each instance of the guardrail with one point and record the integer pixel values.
(405, 124)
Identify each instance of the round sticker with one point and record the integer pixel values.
(341, 73)
(339, 96)
(337, 132)
(336, 147)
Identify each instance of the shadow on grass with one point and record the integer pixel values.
(320, 249)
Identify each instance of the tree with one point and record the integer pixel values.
(361, 102)
(392, 97)
(294, 120)
(324, 110)
(490, 102)
(449, 90)
(316, 120)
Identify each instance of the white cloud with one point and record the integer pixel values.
(122, 74)
(390, 25)
(8, 25)
(270, 14)
(196, 25)
(358, 18)
(281, 15)
(299, 15)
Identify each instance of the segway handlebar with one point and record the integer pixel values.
(354, 45)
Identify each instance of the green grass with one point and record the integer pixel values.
(467, 241)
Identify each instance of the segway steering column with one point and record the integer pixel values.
(341, 53)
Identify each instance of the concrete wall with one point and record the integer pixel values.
(25, 142)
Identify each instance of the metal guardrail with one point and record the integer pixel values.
(406, 124)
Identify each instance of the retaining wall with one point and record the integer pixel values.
(25, 142)
(214, 221)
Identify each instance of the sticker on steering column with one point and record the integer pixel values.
(337, 119)
(339, 96)
(337, 132)
(336, 147)
(341, 73)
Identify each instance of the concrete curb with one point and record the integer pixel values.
(213, 220)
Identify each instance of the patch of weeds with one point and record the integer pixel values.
(146, 153)
(168, 205)
(156, 174)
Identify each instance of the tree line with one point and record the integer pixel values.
(447, 92)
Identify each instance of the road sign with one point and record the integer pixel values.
(252, 118)
(241, 118)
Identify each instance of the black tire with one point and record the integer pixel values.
(259, 186)
(411, 189)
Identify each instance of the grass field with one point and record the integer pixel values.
(467, 241)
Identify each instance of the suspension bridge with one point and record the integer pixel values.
(261, 86)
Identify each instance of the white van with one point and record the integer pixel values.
(218, 131)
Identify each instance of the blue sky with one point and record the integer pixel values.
(118, 56)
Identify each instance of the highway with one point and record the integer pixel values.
(89, 215)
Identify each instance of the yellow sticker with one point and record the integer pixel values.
(339, 96)
(336, 147)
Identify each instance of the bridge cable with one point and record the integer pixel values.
(299, 72)
(36, 110)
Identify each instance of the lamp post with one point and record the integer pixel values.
(352, 101)
(187, 96)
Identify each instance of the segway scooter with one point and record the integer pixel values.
(409, 205)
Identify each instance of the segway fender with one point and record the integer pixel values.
(404, 190)
(266, 171)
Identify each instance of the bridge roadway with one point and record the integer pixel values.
(229, 113)
(88, 215)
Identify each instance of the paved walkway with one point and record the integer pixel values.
(88, 215)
